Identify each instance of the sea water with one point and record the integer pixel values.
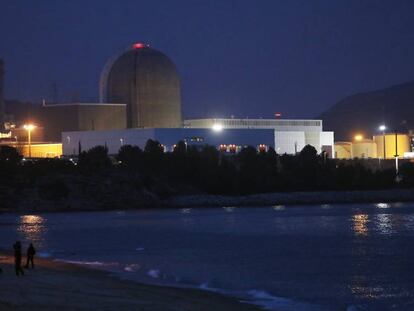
(322, 257)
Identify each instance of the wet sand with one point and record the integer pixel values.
(60, 286)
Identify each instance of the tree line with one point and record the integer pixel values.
(208, 170)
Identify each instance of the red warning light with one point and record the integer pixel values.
(278, 115)
(139, 45)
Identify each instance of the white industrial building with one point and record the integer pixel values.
(290, 135)
(285, 136)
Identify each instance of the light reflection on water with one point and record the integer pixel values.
(187, 218)
(278, 207)
(384, 224)
(32, 228)
(360, 287)
(383, 205)
(229, 209)
(360, 224)
(408, 222)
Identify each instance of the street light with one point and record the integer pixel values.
(382, 128)
(358, 137)
(29, 128)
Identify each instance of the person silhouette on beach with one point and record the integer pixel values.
(18, 258)
(30, 256)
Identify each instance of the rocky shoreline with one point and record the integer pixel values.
(145, 199)
(294, 198)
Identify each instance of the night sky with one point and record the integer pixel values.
(242, 58)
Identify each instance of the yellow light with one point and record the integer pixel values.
(29, 127)
(358, 137)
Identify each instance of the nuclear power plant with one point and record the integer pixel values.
(140, 99)
(148, 83)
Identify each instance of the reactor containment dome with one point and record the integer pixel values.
(147, 81)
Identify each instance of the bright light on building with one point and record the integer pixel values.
(29, 127)
(358, 137)
(382, 128)
(217, 127)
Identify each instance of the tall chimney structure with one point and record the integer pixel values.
(1, 95)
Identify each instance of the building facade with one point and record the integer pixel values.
(290, 136)
(231, 140)
(81, 117)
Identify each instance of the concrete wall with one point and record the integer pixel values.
(101, 117)
(148, 82)
(292, 142)
(343, 150)
(289, 142)
(39, 150)
(327, 143)
(364, 149)
(81, 117)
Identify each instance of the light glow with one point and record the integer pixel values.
(358, 137)
(140, 45)
(217, 127)
(382, 128)
(29, 127)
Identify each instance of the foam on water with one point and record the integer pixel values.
(89, 263)
(154, 273)
(270, 302)
(132, 267)
(205, 286)
(266, 300)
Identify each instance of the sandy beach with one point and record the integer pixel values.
(60, 286)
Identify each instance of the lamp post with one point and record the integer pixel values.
(29, 128)
(382, 128)
(396, 153)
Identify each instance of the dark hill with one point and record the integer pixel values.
(364, 112)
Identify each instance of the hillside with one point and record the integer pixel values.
(364, 112)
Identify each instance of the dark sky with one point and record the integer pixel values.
(246, 58)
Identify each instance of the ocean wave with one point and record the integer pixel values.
(89, 263)
(206, 286)
(154, 273)
(132, 267)
(271, 302)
